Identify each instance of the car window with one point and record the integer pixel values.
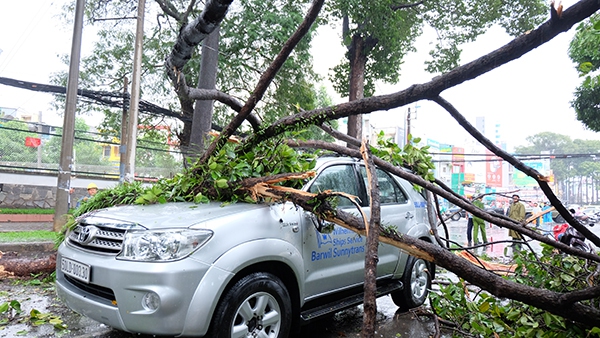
(340, 178)
(389, 191)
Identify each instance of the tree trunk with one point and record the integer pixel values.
(371, 256)
(358, 61)
(14, 265)
(203, 111)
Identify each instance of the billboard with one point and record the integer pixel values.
(522, 180)
(493, 170)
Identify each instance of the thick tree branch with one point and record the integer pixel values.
(265, 80)
(192, 34)
(495, 284)
(403, 6)
(459, 201)
(539, 178)
(511, 51)
(371, 255)
(169, 9)
(185, 92)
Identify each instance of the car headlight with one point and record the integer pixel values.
(162, 245)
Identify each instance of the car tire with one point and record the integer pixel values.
(455, 217)
(417, 283)
(258, 304)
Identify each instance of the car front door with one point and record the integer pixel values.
(334, 257)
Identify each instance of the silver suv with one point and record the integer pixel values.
(238, 270)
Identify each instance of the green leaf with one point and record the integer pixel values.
(566, 277)
(15, 305)
(222, 183)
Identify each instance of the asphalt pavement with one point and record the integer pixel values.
(390, 322)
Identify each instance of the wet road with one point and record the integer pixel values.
(344, 324)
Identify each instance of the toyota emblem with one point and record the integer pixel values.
(87, 234)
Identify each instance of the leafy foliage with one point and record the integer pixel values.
(84, 151)
(410, 156)
(394, 29)
(215, 180)
(12, 142)
(583, 50)
(481, 314)
(11, 311)
(569, 157)
(252, 34)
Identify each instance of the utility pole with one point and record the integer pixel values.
(407, 125)
(123, 146)
(135, 95)
(63, 185)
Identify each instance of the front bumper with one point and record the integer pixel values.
(176, 283)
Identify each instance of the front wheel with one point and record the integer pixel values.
(417, 283)
(258, 305)
(455, 217)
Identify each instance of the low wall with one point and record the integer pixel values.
(20, 196)
(21, 189)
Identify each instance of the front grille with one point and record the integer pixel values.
(97, 238)
(97, 290)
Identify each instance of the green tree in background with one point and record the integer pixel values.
(12, 143)
(584, 51)
(252, 34)
(378, 34)
(86, 149)
(573, 162)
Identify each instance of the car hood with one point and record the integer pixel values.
(182, 214)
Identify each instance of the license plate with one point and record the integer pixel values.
(75, 269)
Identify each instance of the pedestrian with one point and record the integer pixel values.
(536, 211)
(92, 189)
(479, 224)
(547, 218)
(469, 225)
(516, 211)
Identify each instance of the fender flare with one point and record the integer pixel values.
(224, 269)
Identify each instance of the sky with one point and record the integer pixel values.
(524, 97)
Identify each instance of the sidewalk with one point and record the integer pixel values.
(27, 247)
(24, 226)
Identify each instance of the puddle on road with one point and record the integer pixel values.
(43, 299)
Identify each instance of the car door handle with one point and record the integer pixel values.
(409, 215)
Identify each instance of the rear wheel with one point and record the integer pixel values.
(580, 246)
(455, 217)
(258, 305)
(417, 283)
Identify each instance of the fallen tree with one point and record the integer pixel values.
(575, 305)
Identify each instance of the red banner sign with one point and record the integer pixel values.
(493, 170)
(33, 142)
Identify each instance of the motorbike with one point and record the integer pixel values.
(568, 235)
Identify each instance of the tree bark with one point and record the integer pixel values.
(371, 255)
(265, 80)
(358, 61)
(203, 111)
(12, 265)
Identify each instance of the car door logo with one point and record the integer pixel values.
(323, 239)
(87, 234)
